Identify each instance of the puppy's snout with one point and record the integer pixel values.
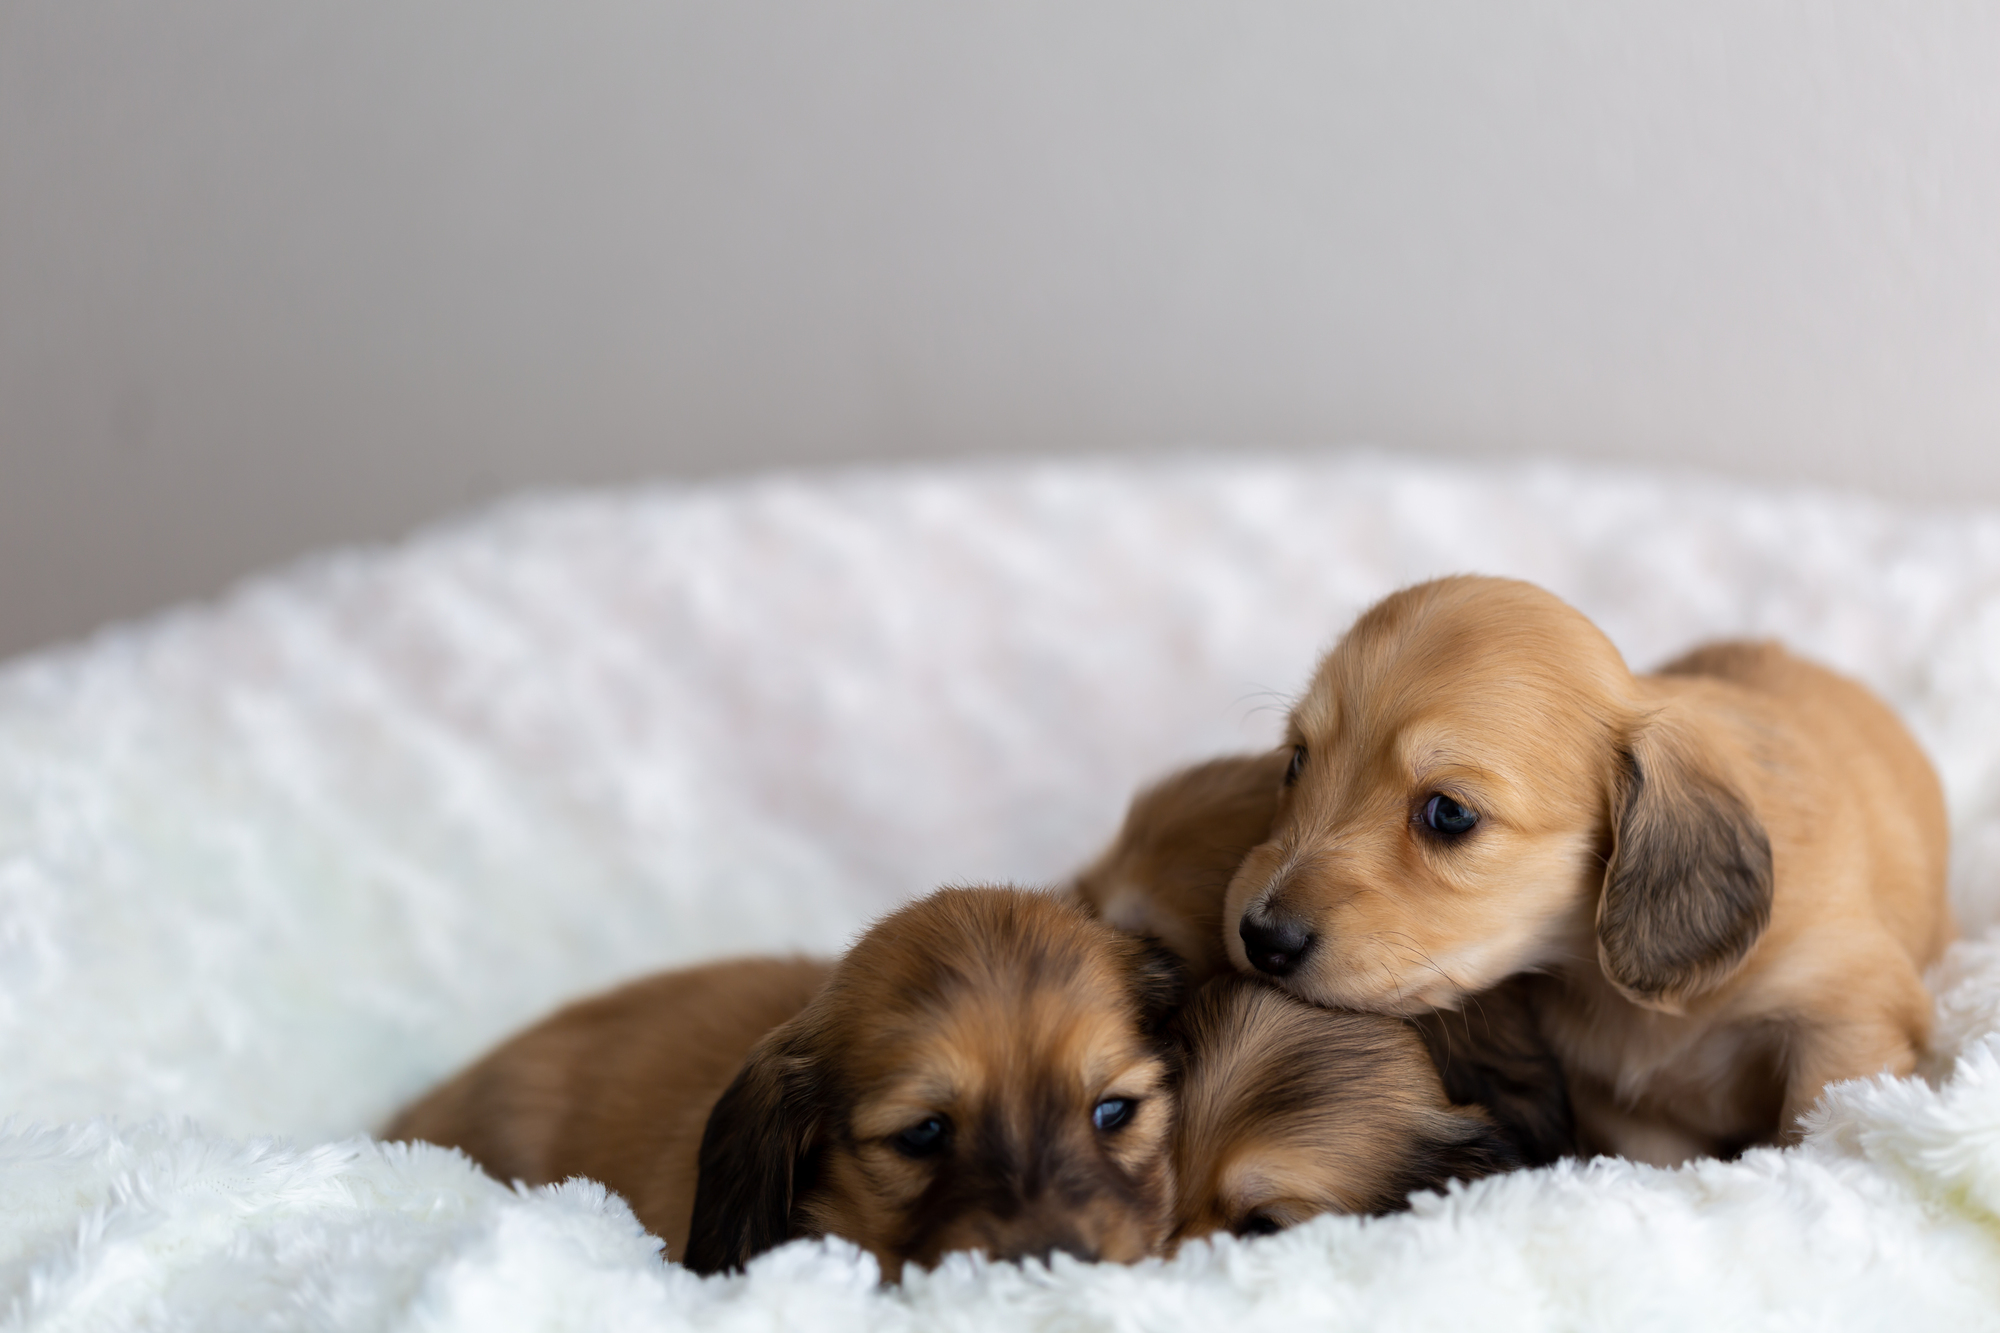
(1274, 941)
(1043, 1250)
(1040, 1231)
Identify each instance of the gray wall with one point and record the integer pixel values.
(279, 275)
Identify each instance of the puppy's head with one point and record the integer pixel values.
(1465, 765)
(986, 1070)
(1168, 871)
(1288, 1111)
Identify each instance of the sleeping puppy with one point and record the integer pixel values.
(1734, 867)
(617, 1088)
(986, 1069)
(1288, 1111)
(1168, 871)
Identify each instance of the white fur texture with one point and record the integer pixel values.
(268, 868)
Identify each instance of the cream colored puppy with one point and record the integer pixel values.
(1733, 868)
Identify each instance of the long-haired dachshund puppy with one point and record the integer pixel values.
(1734, 867)
(1168, 870)
(1288, 1110)
(1166, 875)
(619, 1087)
(987, 1069)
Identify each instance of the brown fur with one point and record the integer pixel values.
(1004, 1017)
(1493, 1052)
(1167, 873)
(1168, 870)
(1734, 868)
(617, 1088)
(1288, 1111)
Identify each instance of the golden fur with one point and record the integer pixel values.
(1733, 868)
(1168, 870)
(1288, 1111)
(986, 1069)
(617, 1088)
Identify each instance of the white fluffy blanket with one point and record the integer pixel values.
(269, 867)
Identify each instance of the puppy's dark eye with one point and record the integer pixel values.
(1258, 1224)
(1446, 816)
(926, 1138)
(1113, 1113)
(1298, 765)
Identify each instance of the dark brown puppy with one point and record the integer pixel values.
(617, 1088)
(986, 1069)
(1288, 1111)
(1167, 873)
(1168, 870)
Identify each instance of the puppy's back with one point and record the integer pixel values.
(617, 1087)
(1847, 729)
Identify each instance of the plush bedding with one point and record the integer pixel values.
(270, 866)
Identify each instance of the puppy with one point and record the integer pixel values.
(1734, 867)
(1288, 1111)
(618, 1088)
(986, 1069)
(1168, 871)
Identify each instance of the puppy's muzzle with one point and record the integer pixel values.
(1036, 1232)
(1274, 941)
(1041, 1249)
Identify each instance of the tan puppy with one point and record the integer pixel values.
(618, 1088)
(1735, 867)
(1168, 871)
(987, 1069)
(1288, 1111)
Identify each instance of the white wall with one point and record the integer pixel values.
(275, 275)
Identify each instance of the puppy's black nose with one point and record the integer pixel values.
(1275, 945)
(1044, 1250)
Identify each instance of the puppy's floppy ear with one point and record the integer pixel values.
(1687, 891)
(1159, 982)
(755, 1153)
(1492, 1054)
(1461, 1143)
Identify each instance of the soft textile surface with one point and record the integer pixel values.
(269, 867)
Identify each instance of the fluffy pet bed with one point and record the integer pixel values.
(269, 867)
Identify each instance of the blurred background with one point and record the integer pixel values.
(279, 276)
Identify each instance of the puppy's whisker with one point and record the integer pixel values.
(1416, 950)
(1270, 700)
